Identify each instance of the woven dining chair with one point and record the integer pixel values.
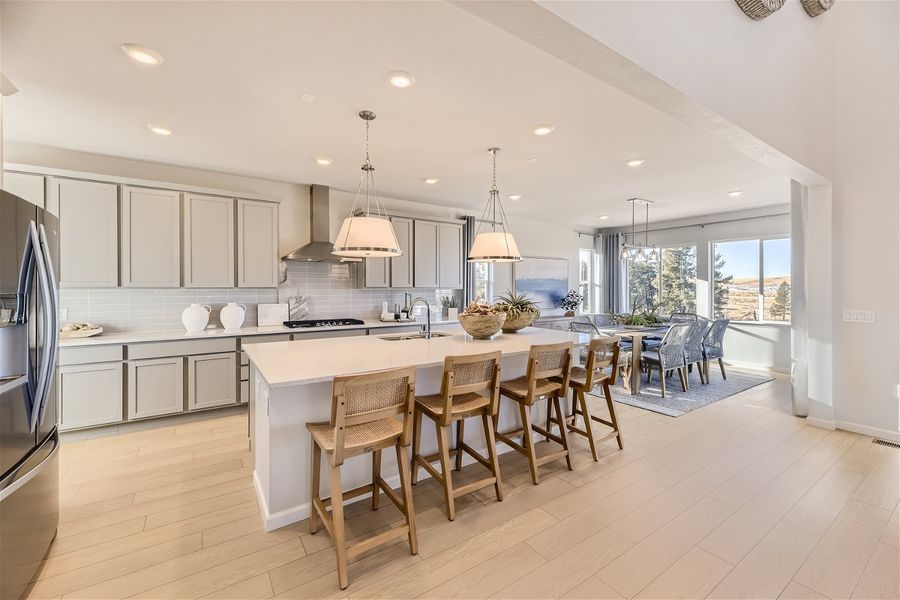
(547, 376)
(668, 357)
(693, 348)
(364, 411)
(714, 345)
(602, 354)
(470, 387)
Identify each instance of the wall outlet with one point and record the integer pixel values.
(854, 315)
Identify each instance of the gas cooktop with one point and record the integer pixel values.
(323, 323)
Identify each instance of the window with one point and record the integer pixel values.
(483, 285)
(643, 286)
(752, 280)
(678, 280)
(589, 279)
(777, 279)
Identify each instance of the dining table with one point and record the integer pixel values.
(637, 335)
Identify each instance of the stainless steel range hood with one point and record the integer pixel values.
(319, 249)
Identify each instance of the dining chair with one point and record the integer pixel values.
(603, 354)
(693, 348)
(668, 357)
(714, 345)
(683, 317)
(546, 376)
(364, 411)
(470, 387)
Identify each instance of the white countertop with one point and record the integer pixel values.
(136, 337)
(309, 361)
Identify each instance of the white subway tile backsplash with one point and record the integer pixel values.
(329, 290)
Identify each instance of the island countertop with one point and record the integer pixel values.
(309, 361)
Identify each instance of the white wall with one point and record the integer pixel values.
(755, 345)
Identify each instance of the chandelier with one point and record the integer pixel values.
(494, 246)
(635, 251)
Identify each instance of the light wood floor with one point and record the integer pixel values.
(735, 500)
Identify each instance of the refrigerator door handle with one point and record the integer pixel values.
(45, 370)
(25, 278)
(17, 479)
(51, 316)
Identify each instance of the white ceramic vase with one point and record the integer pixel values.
(195, 317)
(232, 315)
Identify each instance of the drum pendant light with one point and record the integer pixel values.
(368, 234)
(494, 246)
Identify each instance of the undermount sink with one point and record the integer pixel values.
(419, 335)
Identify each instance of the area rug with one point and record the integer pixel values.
(677, 402)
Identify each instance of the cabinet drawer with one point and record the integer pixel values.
(245, 373)
(318, 335)
(90, 395)
(211, 380)
(161, 349)
(90, 354)
(265, 339)
(245, 360)
(155, 387)
(245, 392)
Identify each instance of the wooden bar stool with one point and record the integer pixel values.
(602, 352)
(547, 377)
(470, 388)
(363, 411)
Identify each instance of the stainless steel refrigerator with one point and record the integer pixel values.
(29, 341)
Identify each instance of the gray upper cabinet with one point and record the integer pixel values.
(88, 232)
(402, 266)
(151, 238)
(450, 256)
(425, 249)
(25, 185)
(208, 241)
(377, 273)
(257, 244)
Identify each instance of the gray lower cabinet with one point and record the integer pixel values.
(89, 395)
(211, 380)
(155, 387)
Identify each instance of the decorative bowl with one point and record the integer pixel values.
(523, 319)
(482, 327)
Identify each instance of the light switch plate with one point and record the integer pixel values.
(855, 315)
(63, 314)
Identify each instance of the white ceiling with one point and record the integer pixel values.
(234, 72)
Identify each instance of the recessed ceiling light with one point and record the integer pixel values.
(431, 180)
(401, 79)
(531, 160)
(307, 98)
(323, 161)
(142, 54)
(543, 129)
(735, 193)
(159, 130)
(603, 217)
(635, 162)
(515, 197)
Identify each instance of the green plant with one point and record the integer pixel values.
(639, 317)
(515, 305)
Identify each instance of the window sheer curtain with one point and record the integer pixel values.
(613, 273)
(469, 269)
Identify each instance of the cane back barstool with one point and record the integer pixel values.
(547, 376)
(363, 420)
(470, 388)
(602, 352)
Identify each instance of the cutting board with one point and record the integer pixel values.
(271, 314)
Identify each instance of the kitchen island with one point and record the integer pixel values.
(291, 386)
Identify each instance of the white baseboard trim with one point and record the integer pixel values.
(299, 512)
(751, 366)
(821, 423)
(885, 434)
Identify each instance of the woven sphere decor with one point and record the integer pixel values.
(759, 9)
(814, 8)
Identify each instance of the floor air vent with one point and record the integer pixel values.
(886, 443)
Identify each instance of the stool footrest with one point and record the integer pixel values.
(377, 540)
(474, 486)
